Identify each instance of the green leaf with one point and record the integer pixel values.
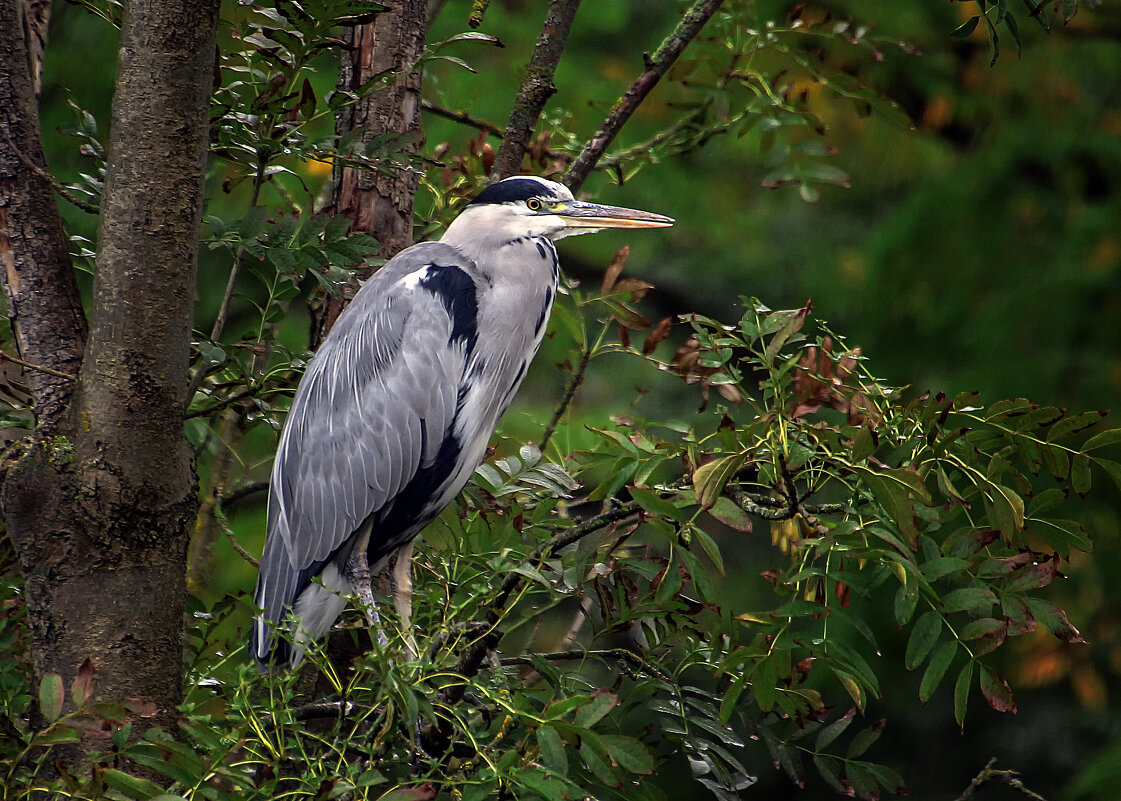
(656, 505)
(131, 785)
(552, 749)
(863, 741)
(727, 512)
(830, 770)
(51, 696)
(1054, 619)
(709, 479)
(55, 735)
(592, 712)
(980, 627)
(628, 753)
(851, 687)
(560, 708)
(1047, 501)
(942, 566)
(906, 601)
(1102, 439)
(923, 637)
(1006, 509)
(1077, 423)
(1057, 461)
(594, 755)
(936, 670)
(965, 30)
(1113, 468)
(834, 730)
(540, 782)
(1080, 477)
(961, 692)
(863, 445)
(968, 599)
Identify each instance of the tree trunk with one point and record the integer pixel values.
(100, 507)
(377, 203)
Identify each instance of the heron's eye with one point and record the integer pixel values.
(533, 204)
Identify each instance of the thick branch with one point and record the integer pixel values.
(43, 302)
(536, 89)
(656, 67)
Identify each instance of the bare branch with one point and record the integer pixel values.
(656, 66)
(461, 117)
(990, 774)
(39, 367)
(536, 89)
(43, 175)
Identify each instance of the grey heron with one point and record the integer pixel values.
(395, 411)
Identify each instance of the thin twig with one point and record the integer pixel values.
(536, 89)
(635, 660)
(235, 271)
(574, 384)
(39, 172)
(988, 774)
(245, 490)
(38, 367)
(656, 67)
(237, 397)
(563, 540)
(462, 118)
(660, 138)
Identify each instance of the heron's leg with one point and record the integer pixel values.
(358, 574)
(401, 580)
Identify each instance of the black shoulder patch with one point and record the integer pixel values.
(510, 190)
(455, 289)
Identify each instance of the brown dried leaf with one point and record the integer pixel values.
(634, 286)
(615, 269)
(81, 689)
(660, 332)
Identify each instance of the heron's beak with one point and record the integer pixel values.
(594, 216)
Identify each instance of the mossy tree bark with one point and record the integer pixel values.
(100, 502)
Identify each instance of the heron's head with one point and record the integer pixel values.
(530, 206)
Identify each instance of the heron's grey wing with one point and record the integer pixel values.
(374, 408)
